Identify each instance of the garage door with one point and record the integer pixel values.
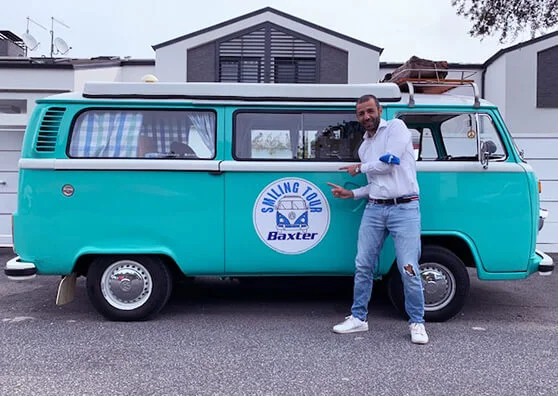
(540, 152)
(10, 148)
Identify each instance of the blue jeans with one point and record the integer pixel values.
(402, 222)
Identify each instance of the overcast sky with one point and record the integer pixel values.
(429, 28)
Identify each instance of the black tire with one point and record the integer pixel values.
(446, 291)
(128, 288)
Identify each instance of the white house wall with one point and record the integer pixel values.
(495, 84)
(36, 79)
(135, 73)
(81, 76)
(171, 61)
(521, 91)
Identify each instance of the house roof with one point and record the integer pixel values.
(451, 65)
(274, 11)
(518, 46)
(71, 63)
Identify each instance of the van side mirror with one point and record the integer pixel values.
(487, 149)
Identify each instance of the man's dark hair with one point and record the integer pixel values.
(366, 98)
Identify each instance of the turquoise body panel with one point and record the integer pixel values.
(204, 220)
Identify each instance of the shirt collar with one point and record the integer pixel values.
(383, 124)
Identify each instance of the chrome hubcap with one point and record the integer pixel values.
(439, 286)
(126, 285)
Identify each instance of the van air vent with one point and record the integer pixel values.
(48, 131)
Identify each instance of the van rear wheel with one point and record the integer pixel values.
(445, 281)
(127, 288)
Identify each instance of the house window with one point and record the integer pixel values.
(293, 70)
(268, 53)
(239, 69)
(13, 106)
(547, 78)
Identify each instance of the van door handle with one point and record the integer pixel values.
(3, 183)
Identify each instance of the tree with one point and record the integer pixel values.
(509, 17)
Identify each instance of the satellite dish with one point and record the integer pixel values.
(30, 42)
(61, 46)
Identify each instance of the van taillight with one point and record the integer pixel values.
(540, 187)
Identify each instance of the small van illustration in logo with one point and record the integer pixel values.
(291, 215)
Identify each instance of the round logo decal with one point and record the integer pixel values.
(291, 215)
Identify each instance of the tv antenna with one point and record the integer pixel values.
(31, 42)
(57, 45)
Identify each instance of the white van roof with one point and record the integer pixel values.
(385, 92)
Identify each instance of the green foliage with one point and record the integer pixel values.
(509, 17)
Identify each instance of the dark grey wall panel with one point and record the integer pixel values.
(334, 65)
(7, 48)
(201, 63)
(547, 78)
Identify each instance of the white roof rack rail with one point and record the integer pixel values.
(448, 84)
(434, 81)
(385, 92)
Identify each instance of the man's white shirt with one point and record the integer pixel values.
(388, 180)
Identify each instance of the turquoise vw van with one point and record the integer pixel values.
(133, 185)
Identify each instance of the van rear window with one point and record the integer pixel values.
(144, 134)
(297, 135)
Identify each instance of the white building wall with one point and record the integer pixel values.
(495, 84)
(521, 91)
(134, 73)
(171, 61)
(81, 76)
(36, 79)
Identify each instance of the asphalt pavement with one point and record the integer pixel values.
(273, 337)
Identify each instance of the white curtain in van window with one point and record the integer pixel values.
(204, 123)
(106, 135)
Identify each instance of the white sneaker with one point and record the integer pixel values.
(418, 333)
(350, 325)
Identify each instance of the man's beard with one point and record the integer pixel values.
(372, 127)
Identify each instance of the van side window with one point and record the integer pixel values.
(489, 132)
(143, 134)
(452, 136)
(423, 144)
(299, 135)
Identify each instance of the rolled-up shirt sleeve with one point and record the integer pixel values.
(361, 192)
(397, 141)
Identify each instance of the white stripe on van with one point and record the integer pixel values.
(119, 164)
(249, 166)
(422, 166)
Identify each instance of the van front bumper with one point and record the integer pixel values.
(546, 266)
(20, 270)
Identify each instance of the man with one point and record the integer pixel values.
(388, 160)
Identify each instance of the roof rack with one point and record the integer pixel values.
(434, 81)
(444, 85)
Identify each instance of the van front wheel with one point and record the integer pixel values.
(127, 288)
(445, 281)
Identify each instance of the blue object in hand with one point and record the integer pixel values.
(390, 159)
